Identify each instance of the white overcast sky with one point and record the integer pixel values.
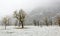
(8, 6)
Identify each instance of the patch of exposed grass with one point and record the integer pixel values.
(9, 32)
(21, 28)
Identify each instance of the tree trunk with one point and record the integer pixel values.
(47, 24)
(5, 27)
(51, 23)
(35, 24)
(59, 24)
(22, 25)
(38, 24)
(19, 23)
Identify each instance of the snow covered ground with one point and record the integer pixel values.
(30, 31)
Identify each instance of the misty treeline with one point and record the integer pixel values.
(20, 19)
(47, 21)
(18, 15)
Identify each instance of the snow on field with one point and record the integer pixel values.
(30, 31)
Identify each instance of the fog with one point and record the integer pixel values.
(8, 6)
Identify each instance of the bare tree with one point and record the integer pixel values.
(34, 21)
(20, 17)
(58, 20)
(5, 21)
(16, 22)
(15, 15)
(38, 23)
(46, 21)
(50, 21)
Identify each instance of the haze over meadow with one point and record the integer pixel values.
(7, 7)
(43, 15)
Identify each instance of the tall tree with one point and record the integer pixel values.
(20, 17)
(15, 15)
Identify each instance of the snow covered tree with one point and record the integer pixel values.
(15, 15)
(46, 21)
(38, 23)
(20, 17)
(5, 20)
(50, 21)
(58, 20)
(34, 21)
(16, 22)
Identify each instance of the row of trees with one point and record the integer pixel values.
(48, 21)
(36, 23)
(20, 16)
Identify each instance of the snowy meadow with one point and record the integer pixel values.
(30, 31)
(29, 17)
